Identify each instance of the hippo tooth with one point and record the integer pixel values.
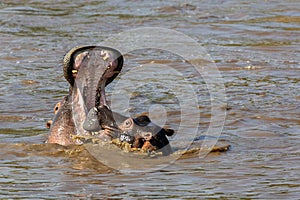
(106, 57)
(95, 133)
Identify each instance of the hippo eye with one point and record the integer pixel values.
(127, 123)
(56, 108)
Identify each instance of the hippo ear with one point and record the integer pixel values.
(168, 131)
(142, 120)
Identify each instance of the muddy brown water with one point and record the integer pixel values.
(255, 45)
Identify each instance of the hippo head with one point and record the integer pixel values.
(145, 134)
(88, 69)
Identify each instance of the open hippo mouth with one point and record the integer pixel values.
(89, 69)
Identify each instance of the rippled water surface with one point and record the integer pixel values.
(255, 45)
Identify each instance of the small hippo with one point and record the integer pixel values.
(140, 131)
(143, 133)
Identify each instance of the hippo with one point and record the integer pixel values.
(145, 134)
(85, 111)
(88, 69)
(140, 132)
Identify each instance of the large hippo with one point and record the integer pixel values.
(85, 111)
(88, 69)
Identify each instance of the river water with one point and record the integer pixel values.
(254, 44)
